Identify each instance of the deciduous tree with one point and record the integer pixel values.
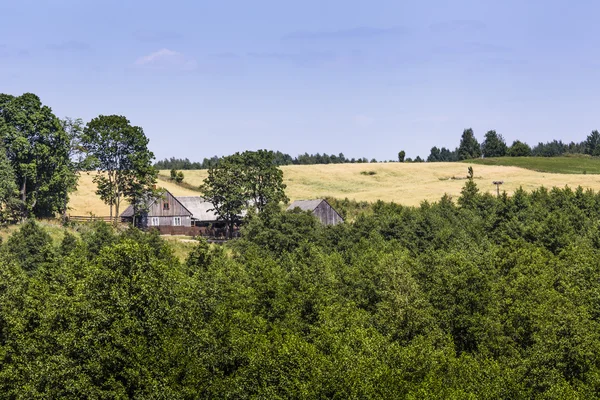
(38, 149)
(493, 145)
(119, 151)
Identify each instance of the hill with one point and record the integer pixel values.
(574, 164)
(403, 183)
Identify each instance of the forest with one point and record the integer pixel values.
(474, 297)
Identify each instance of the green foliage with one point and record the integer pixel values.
(592, 144)
(492, 297)
(30, 247)
(250, 180)
(519, 149)
(493, 145)
(120, 152)
(39, 152)
(401, 156)
(469, 146)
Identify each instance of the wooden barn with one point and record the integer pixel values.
(166, 211)
(320, 209)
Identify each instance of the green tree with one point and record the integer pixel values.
(493, 145)
(31, 246)
(519, 149)
(592, 144)
(401, 156)
(469, 146)
(225, 188)
(263, 179)
(119, 151)
(38, 149)
(8, 189)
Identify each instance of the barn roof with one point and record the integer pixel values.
(305, 205)
(128, 213)
(199, 208)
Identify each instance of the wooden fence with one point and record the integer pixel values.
(89, 218)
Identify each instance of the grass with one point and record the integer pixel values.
(412, 183)
(574, 164)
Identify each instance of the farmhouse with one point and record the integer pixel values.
(320, 209)
(189, 215)
(165, 211)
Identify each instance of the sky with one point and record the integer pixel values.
(365, 78)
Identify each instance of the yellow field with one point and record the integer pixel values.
(407, 184)
(85, 201)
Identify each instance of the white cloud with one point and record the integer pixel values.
(167, 59)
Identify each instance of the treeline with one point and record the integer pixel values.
(494, 145)
(482, 297)
(279, 160)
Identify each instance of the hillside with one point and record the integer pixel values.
(407, 184)
(575, 164)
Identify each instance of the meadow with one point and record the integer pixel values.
(572, 164)
(403, 183)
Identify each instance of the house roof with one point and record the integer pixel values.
(199, 208)
(128, 213)
(305, 205)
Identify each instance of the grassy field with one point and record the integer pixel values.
(85, 201)
(576, 164)
(410, 184)
(404, 183)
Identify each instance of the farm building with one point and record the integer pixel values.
(320, 209)
(166, 211)
(186, 215)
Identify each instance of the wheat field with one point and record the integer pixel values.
(404, 183)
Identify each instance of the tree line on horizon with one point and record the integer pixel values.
(493, 145)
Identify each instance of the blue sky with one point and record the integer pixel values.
(364, 78)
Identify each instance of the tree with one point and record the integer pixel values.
(8, 189)
(263, 179)
(225, 189)
(519, 149)
(119, 151)
(592, 144)
(401, 156)
(242, 181)
(493, 145)
(38, 149)
(469, 146)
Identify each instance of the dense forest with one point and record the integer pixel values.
(475, 297)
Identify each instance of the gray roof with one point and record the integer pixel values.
(199, 207)
(305, 205)
(128, 212)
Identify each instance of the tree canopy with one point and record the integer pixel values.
(38, 150)
(119, 151)
(493, 145)
(240, 182)
(469, 146)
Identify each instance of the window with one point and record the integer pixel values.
(177, 221)
(154, 221)
(166, 205)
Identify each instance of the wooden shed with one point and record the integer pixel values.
(320, 209)
(166, 211)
